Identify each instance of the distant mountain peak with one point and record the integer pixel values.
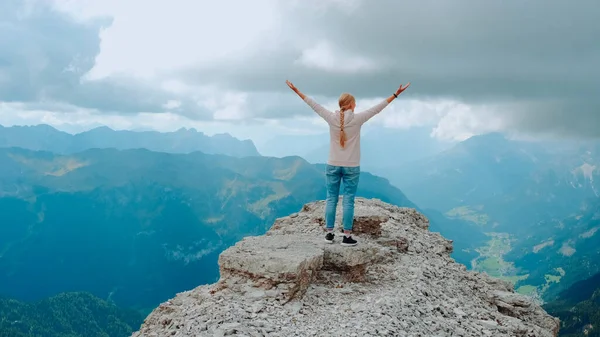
(186, 130)
(102, 128)
(223, 135)
(289, 282)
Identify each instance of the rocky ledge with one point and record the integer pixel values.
(399, 281)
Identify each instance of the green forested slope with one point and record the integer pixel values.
(138, 226)
(74, 314)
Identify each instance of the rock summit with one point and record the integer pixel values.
(398, 281)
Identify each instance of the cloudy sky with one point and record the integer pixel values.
(531, 67)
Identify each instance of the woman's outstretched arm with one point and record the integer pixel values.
(321, 111)
(363, 117)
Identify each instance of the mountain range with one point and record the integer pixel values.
(493, 169)
(137, 226)
(46, 138)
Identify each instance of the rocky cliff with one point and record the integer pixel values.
(399, 281)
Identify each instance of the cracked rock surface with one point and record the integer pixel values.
(399, 281)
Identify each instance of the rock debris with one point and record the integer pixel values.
(399, 281)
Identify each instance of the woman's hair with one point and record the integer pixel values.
(346, 100)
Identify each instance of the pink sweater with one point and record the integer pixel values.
(349, 155)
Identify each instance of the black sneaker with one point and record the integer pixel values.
(349, 241)
(329, 237)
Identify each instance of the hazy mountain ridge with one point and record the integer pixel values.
(491, 169)
(46, 138)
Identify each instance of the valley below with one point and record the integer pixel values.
(536, 265)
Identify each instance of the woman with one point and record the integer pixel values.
(344, 156)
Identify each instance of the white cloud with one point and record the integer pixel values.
(462, 121)
(147, 38)
(229, 106)
(330, 58)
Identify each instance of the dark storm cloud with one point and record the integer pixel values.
(544, 54)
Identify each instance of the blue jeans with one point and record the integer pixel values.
(335, 175)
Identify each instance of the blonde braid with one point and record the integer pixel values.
(346, 102)
(342, 133)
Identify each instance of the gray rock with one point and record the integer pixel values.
(270, 261)
(399, 281)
